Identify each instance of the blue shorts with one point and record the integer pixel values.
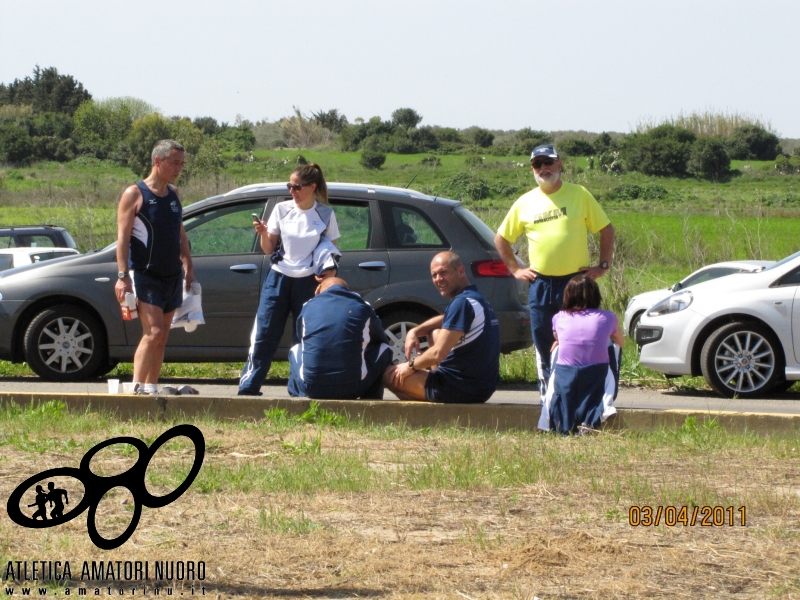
(167, 294)
(442, 389)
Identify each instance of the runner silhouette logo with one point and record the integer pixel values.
(95, 487)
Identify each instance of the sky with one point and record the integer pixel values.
(569, 65)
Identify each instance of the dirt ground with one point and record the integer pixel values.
(562, 540)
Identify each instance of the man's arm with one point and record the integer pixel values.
(510, 259)
(446, 339)
(413, 335)
(126, 213)
(606, 253)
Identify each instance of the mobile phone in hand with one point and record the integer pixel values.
(255, 217)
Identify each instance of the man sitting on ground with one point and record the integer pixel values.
(342, 352)
(464, 343)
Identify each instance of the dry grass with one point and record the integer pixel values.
(562, 533)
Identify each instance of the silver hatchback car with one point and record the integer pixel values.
(64, 320)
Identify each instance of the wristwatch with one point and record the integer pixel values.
(122, 275)
(411, 363)
(604, 264)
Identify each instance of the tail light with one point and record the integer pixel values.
(490, 268)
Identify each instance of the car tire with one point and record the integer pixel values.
(743, 360)
(65, 343)
(634, 324)
(396, 325)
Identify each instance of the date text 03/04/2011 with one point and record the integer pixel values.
(705, 516)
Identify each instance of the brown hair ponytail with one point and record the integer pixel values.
(312, 173)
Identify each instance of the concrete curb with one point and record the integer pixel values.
(501, 417)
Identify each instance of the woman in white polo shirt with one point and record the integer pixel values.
(291, 234)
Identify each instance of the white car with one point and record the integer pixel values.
(640, 303)
(10, 258)
(741, 332)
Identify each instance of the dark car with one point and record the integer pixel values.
(35, 236)
(64, 320)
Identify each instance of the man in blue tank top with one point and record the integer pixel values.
(342, 350)
(153, 247)
(464, 343)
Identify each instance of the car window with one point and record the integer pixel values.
(791, 278)
(354, 224)
(36, 241)
(708, 275)
(49, 256)
(6, 241)
(6, 261)
(228, 230)
(410, 228)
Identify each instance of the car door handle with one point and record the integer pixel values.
(249, 268)
(373, 265)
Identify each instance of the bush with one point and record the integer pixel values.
(464, 186)
(576, 147)
(786, 165)
(407, 118)
(662, 151)
(330, 120)
(527, 139)
(482, 137)
(604, 143)
(15, 144)
(751, 142)
(372, 160)
(650, 191)
(431, 161)
(709, 159)
(144, 134)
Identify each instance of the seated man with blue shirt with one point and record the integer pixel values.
(343, 351)
(464, 343)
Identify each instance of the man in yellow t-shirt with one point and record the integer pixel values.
(557, 218)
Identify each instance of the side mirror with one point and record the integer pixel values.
(677, 287)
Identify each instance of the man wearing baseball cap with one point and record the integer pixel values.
(556, 217)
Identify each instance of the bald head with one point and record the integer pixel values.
(328, 282)
(447, 259)
(448, 274)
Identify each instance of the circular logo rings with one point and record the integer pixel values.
(95, 486)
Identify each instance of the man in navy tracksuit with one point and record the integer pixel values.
(462, 362)
(342, 352)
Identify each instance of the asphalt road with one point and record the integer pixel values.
(647, 398)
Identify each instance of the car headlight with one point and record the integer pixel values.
(671, 304)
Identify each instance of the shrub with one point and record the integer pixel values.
(576, 147)
(482, 137)
(406, 117)
(604, 143)
(144, 134)
(786, 165)
(663, 151)
(709, 159)
(15, 144)
(751, 142)
(370, 159)
(464, 186)
(431, 161)
(330, 120)
(527, 139)
(650, 191)
(474, 161)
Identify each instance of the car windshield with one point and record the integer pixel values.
(784, 261)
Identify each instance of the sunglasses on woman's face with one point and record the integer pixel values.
(296, 186)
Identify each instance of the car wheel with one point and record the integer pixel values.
(743, 360)
(782, 386)
(396, 325)
(634, 324)
(65, 343)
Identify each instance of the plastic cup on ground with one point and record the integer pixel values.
(113, 386)
(127, 387)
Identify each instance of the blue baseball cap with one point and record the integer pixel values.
(547, 150)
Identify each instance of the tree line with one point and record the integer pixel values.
(51, 116)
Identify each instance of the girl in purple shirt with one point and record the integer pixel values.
(582, 332)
